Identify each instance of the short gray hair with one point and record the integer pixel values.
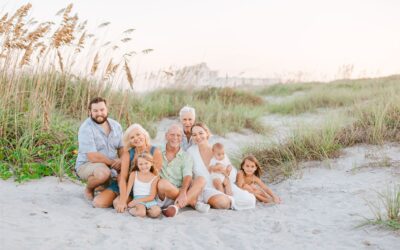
(175, 125)
(187, 109)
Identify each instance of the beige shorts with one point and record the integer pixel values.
(87, 169)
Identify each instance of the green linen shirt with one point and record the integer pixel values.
(179, 167)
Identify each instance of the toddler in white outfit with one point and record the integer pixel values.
(220, 168)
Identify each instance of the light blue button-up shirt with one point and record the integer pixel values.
(92, 138)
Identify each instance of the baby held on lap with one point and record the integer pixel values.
(220, 168)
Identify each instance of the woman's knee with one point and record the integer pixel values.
(101, 203)
(104, 199)
(220, 202)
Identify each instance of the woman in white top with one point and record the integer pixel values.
(201, 153)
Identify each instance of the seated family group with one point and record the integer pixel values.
(146, 180)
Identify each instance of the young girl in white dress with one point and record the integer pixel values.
(143, 181)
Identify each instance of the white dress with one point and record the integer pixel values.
(241, 199)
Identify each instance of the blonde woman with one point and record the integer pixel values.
(136, 141)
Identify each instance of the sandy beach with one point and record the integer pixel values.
(309, 89)
(322, 207)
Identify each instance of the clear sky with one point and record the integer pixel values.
(258, 38)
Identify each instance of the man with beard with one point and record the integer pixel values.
(100, 139)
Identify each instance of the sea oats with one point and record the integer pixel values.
(130, 53)
(39, 32)
(2, 23)
(82, 26)
(67, 11)
(105, 44)
(109, 69)
(60, 61)
(104, 25)
(81, 42)
(27, 55)
(95, 64)
(147, 51)
(128, 31)
(125, 40)
(128, 74)
(60, 12)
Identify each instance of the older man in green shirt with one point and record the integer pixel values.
(177, 189)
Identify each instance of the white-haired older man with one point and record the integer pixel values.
(177, 189)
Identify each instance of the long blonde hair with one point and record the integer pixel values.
(128, 131)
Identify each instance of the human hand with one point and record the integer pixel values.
(132, 203)
(116, 164)
(254, 187)
(121, 206)
(276, 199)
(219, 168)
(181, 200)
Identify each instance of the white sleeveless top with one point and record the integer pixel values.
(140, 187)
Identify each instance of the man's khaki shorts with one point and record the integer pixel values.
(87, 169)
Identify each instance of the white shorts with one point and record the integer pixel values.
(219, 176)
(207, 193)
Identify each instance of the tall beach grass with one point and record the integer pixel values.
(374, 122)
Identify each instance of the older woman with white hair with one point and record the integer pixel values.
(187, 116)
(136, 140)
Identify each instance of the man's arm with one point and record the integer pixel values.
(97, 157)
(181, 200)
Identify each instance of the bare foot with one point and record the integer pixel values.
(89, 194)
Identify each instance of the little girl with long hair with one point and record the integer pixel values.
(248, 179)
(143, 181)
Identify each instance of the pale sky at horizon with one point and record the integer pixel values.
(259, 38)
